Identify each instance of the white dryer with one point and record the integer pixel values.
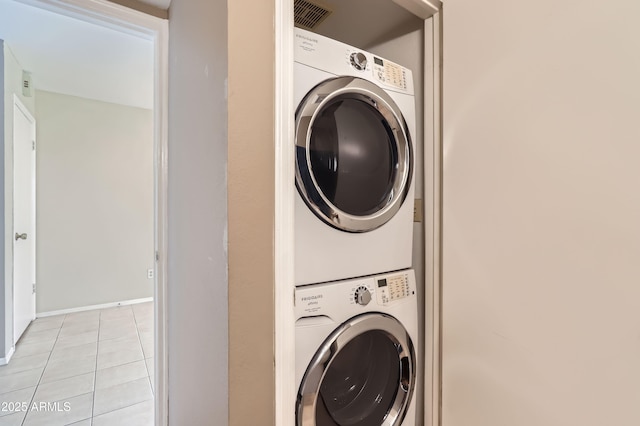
(354, 161)
(357, 351)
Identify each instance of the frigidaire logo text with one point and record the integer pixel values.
(313, 40)
(316, 297)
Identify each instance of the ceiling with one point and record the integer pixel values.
(72, 57)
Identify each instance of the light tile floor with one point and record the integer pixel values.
(82, 369)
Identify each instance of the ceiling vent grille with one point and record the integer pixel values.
(309, 15)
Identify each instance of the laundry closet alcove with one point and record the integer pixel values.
(262, 384)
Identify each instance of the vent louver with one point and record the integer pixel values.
(309, 15)
(27, 88)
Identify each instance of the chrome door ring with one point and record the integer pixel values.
(309, 109)
(309, 390)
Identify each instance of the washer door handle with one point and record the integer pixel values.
(405, 373)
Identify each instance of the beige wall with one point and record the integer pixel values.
(197, 202)
(251, 212)
(94, 202)
(541, 207)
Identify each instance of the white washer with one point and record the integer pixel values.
(354, 130)
(357, 351)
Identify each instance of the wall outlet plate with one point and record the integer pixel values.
(149, 273)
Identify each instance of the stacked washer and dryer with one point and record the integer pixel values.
(356, 302)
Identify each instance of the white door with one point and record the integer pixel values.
(24, 206)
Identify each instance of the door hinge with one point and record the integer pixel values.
(34, 288)
(33, 145)
(157, 256)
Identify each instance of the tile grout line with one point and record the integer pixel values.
(95, 371)
(121, 408)
(144, 359)
(43, 370)
(145, 364)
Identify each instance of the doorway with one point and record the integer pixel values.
(115, 18)
(24, 226)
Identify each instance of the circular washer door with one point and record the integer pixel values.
(353, 154)
(362, 375)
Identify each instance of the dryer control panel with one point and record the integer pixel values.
(384, 71)
(339, 59)
(389, 73)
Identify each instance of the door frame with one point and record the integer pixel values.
(133, 22)
(432, 197)
(17, 103)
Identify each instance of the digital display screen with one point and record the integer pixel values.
(378, 61)
(382, 282)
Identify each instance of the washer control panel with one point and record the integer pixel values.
(362, 296)
(361, 293)
(365, 294)
(392, 288)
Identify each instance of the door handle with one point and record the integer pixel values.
(405, 374)
(21, 236)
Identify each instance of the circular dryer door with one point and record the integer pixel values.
(362, 375)
(353, 154)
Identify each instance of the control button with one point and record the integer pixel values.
(358, 61)
(363, 296)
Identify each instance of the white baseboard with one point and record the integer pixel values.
(92, 307)
(6, 359)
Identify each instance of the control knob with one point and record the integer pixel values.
(358, 61)
(363, 296)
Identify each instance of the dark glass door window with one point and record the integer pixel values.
(353, 156)
(361, 384)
